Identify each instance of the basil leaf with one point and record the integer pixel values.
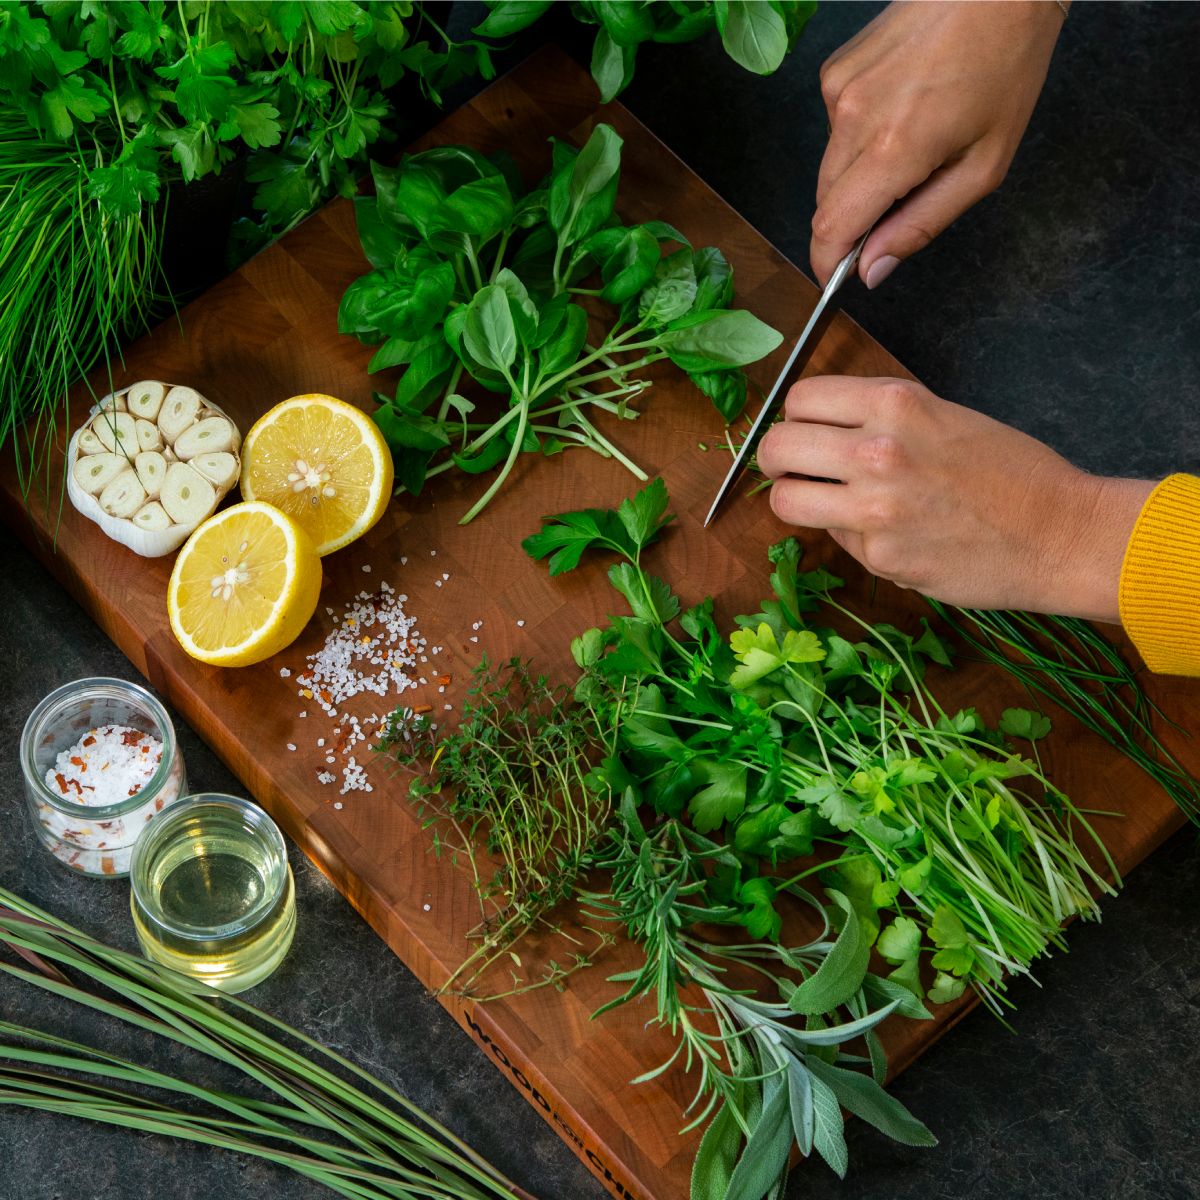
(407, 195)
(489, 335)
(563, 349)
(481, 208)
(726, 389)
(612, 65)
(754, 36)
(405, 429)
(673, 291)
(583, 188)
(725, 338)
(630, 266)
(381, 241)
(714, 279)
(524, 311)
(511, 16)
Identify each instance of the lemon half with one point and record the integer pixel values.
(244, 585)
(323, 462)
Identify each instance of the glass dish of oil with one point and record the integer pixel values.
(212, 892)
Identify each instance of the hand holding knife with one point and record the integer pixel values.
(818, 322)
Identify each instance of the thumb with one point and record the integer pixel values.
(917, 219)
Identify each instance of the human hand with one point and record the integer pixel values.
(937, 497)
(927, 105)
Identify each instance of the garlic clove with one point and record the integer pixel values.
(179, 409)
(210, 434)
(151, 470)
(220, 469)
(186, 495)
(148, 435)
(145, 399)
(114, 402)
(152, 516)
(124, 495)
(117, 432)
(89, 443)
(94, 472)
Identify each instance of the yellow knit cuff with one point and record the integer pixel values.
(1160, 578)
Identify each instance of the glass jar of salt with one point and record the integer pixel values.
(100, 760)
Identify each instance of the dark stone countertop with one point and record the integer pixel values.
(1065, 304)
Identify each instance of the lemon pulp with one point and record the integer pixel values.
(324, 463)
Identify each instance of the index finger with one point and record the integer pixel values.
(842, 400)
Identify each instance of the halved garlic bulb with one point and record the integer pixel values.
(127, 469)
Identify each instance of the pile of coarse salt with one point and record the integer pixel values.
(105, 766)
(374, 647)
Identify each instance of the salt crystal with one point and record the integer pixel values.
(437, 583)
(445, 575)
(320, 741)
(448, 707)
(426, 907)
(403, 561)
(337, 804)
(474, 638)
(432, 553)
(291, 745)
(520, 624)
(284, 672)
(366, 569)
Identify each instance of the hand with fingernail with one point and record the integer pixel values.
(937, 497)
(927, 105)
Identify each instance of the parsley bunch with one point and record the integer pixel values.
(477, 278)
(105, 106)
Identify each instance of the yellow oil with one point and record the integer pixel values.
(208, 913)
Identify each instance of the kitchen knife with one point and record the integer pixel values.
(818, 322)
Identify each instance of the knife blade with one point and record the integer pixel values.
(818, 322)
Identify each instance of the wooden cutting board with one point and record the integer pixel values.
(269, 331)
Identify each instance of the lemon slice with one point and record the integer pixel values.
(244, 585)
(323, 462)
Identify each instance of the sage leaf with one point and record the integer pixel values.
(765, 1156)
(829, 1133)
(862, 1096)
(841, 973)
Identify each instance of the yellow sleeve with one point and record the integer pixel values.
(1160, 578)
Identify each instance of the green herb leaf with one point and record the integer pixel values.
(706, 341)
(945, 988)
(862, 1096)
(765, 1157)
(612, 66)
(507, 17)
(900, 941)
(829, 1134)
(760, 654)
(722, 800)
(754, 36)
(672, 292)
(1022, 723)
(489, 333)
(841, 972)
(716, 1155)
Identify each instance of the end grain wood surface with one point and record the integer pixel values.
(270, 331)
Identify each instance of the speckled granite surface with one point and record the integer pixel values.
(1068, 304)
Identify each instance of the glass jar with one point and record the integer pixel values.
(97, 838)
(212, 892)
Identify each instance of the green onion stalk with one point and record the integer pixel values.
(73, 279)
(367, 1142)
(1069, 661)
